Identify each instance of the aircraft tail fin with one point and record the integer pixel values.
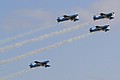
(94, 17)
(90, 30)
(58, 19)
(31, 66)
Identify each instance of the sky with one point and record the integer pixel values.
(92, 57)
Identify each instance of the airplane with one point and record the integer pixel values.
(102, 15)
(38, 64)
(66, 17)
(100, 28)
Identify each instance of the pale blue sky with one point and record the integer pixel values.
(95, 57)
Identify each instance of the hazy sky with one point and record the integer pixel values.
(94, 57)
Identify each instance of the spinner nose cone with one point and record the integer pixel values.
(48, 61)
(76, 14)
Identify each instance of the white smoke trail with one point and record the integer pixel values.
(44, 49)
(17, 74)
(3, 49)
(25, 34)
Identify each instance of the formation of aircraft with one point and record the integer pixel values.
(102, 15)
(75, 18)
(38, 64)
(100, 28)
(66, 17)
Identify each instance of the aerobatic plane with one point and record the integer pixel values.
(100, 28)
(38, 64)
(66, 17)
(102, 15)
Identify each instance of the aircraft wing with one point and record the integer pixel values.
(37, 62)
(67, 17)
(99, 27)
(104, 15)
